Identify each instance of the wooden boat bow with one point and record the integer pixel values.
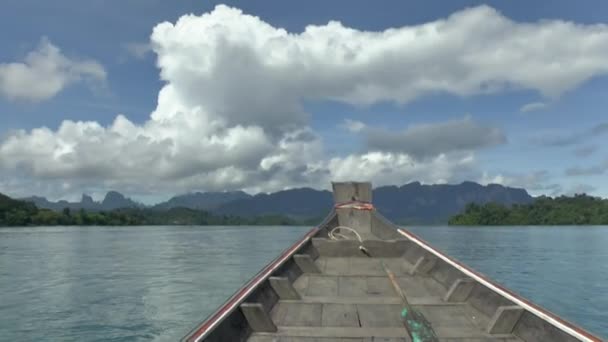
(320, 289)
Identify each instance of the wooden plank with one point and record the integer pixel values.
(301, 314)
(397, 265)
(279, 311)
(423, 265)
(257, 317)
(377, 333)
(366, 267)
(359, 220)
(352, 191)
(378, 300)
(306, 263)
(504, 319)
(352, 286)
(301, 284)
(380, 315)
(481, 339)
(257, 338)
(337, 266)
(283, 288)
(337, 332)
(460, 290)
(322, 286)
(339, 315)
(452, 317)
(380, 286)
(416, 287)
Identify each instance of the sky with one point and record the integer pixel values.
(156, 98)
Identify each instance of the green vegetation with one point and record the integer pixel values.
(20, 213)
(563, 210)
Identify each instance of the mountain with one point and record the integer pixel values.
(112, 200)
(415, 203)
(201, 200)
(295, 203)
(412, 203)
(116, 200)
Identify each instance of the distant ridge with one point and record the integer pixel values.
(412, 203)
(112, 200)
(415, 203)
(297, 203)
(201, 200)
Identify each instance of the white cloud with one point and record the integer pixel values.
(45, 72)
(531, 107)
(384, 168)
(231, 113)
(353, 126)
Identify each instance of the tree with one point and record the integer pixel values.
(579, 209)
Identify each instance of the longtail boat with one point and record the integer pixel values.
(357, 277)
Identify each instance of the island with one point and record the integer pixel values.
(580, 209)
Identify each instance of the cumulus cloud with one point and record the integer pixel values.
(385, 168)
(531, 107)
(231, 113)
(238, 63)
(425, 140)
(167, 149)
(45, 72)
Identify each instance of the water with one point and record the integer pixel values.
(125, 284)
(563, 269)
(156, 283)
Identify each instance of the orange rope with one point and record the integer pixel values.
(355, 205)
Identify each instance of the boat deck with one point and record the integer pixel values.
(351, 299)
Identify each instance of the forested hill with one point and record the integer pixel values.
(576, 210)
(13, 211)
(21, 213)
(412, 203)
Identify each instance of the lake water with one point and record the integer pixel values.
(156, 283)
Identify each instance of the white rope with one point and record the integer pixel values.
(335, 233)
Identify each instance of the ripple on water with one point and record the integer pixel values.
(156, 283)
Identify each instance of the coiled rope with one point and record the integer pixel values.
(336, 234)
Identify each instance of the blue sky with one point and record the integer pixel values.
(106, 63)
